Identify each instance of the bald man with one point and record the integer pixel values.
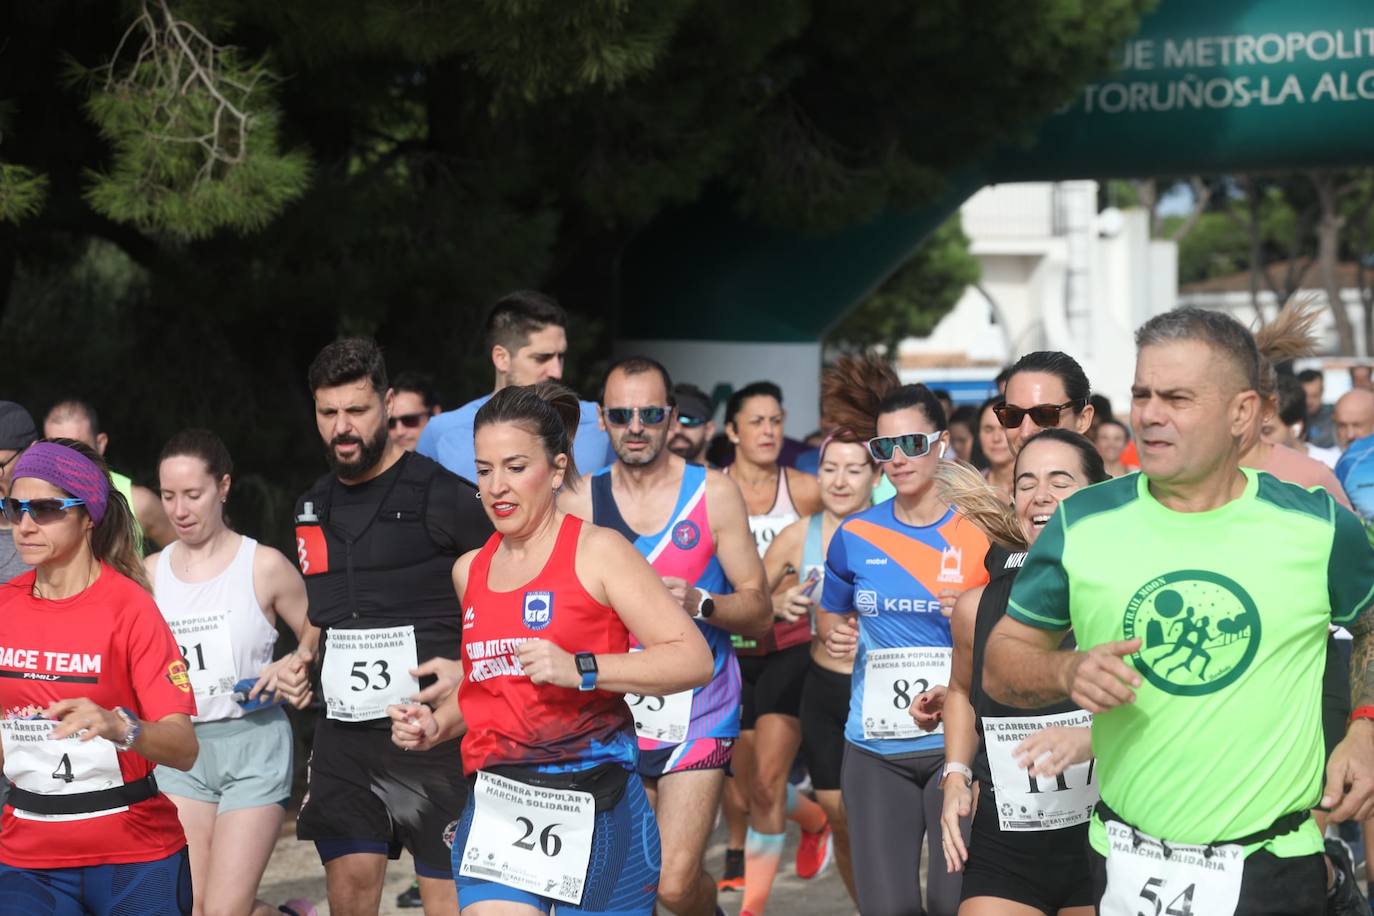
(1354, 416)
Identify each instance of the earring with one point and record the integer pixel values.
(478, 494)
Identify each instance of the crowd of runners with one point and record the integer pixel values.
(1023, 657)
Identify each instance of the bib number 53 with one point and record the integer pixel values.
(379, 679)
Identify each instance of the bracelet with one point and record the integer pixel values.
(961, 769)
(1362, 712)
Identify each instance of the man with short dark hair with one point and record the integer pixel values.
(17, 433)
(1320, 426)
(1198, 591)
(415, 403)
(526, 335)
(76, 419)
(377, 538)
(693, 426)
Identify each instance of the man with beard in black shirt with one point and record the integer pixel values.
(376, 539)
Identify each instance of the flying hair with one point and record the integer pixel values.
(852, 390)
(964, 488)
(1288, 336)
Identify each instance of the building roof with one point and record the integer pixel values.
(1347, 272)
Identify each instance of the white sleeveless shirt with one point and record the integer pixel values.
(222, 631)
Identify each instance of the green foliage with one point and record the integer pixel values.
(21, 192)
(914, 299)
(1215, 247)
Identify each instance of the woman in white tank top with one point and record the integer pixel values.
(221, 593)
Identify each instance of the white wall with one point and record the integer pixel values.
(795, 367)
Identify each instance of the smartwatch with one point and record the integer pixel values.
(586, 666)
(134, 729)
(706, 605)
(956, 768)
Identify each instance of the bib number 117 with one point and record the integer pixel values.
(1155, 893)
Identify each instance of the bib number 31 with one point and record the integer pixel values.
(1189, 881)
(530, 838)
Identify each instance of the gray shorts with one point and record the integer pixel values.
(243, 763)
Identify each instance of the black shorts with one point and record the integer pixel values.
(824, 710)
(1269, 886)
(365, 794)
(772, 683)
(1335, 692)
(1044, 869)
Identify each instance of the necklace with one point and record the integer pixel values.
(91, 572)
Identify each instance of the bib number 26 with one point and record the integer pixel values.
(550, 843)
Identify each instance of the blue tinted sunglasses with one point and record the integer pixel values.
(41, 511)
(623, 416)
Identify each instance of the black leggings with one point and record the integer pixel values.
(892, 806)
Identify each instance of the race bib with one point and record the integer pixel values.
(365, 671)
(1189, 881)
(532, 839)
(766, 527)
(36, 763)
(208, 652)
(661, 718)
(893, 678)
(1030, 803)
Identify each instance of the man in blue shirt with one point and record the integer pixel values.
(526, 335)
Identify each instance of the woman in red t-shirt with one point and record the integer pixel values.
(93, 693)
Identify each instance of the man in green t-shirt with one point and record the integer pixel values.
(1200, 594)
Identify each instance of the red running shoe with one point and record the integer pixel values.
(814, 853)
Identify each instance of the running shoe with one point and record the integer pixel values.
(409, 899)
(299, 907)
(814, 853)
(1345, 898)
(733, 877)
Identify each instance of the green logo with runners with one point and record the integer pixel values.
(1199, 631)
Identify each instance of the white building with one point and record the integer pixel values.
(1057, 275)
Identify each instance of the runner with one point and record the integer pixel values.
(1044, 389)
(94, 695)
(963, 432)
(1111, 439)
(1202, 538)
(992, 455)
(891, 571)
(1290, 426)
(376, 540)
(17, 433)
(1027, 853)
(846, 475)
(773, 668)
(701, 547)
(550, 606)
(692, 429)
(221, 593)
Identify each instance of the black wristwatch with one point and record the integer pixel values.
(706, 605)
(586, 666)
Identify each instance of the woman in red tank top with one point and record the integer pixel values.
(549, 606)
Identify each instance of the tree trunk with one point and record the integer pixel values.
(1329, 226)
(1252, 228)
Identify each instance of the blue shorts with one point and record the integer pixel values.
(622, 876)
(160, 888)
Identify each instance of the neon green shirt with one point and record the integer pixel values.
(125, 487)
(1232, 606)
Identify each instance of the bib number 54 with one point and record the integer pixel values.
(1155, 893)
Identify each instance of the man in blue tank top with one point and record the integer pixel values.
(698, 540)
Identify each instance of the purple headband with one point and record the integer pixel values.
(69, 469)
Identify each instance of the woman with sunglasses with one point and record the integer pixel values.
(846, 474)
(1045, 390)
(1027, 852)
(94, 693)
(556, 817)
(772, 669)
(891, 570)
(991, 454)
(221, 593)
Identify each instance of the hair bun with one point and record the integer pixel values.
(564, 400)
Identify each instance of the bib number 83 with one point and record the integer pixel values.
(1181, 905)
(904, 691)
(550, 843)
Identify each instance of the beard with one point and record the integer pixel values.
(654, 445)
(683, 447)
(370, 452)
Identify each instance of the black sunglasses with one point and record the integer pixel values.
(42, 511)
(690, 422)
(408, 420)
(913, 445)
(649, 416)
(1042, 415)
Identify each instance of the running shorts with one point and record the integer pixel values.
(365, 794)
(622, 876)
(1269, 885)
(243, 763)
(824, 710)
(772, 683)
(697, 754)
(1044, 869)
(158, 888)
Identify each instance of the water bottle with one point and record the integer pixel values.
(264, 700)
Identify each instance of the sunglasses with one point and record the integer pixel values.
(42, 511)
(913, 445)
(690, 422)
(408, 420)
(649, 416)
(1042, 415)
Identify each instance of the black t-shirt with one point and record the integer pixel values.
(454, 517)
